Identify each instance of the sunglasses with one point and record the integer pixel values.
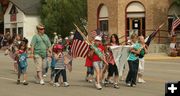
(41, 28)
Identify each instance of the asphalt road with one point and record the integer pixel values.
(156, 74)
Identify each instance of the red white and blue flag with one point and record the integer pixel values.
(79, 46)
(152, 35)
(175, 24)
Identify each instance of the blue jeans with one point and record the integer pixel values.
(90, 71)
(61, 72)
(133, 70)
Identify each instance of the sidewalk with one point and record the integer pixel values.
(160, 56)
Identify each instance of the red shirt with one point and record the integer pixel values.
(96, 57)
(89, 62)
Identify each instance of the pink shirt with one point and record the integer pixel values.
(112, 61)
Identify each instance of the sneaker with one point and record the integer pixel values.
(133, 85)
(139, 80)
(44, 75)
(116, 86)
(56, 84)
(18, 82)
(66, 84)
(90, 81)
(86, 79)
(142, 81)
(128, 84)
(25, 83)
(42, 82)
(98, 86)
(106, 82)
(111, 82)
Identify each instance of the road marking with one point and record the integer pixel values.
(4, 78)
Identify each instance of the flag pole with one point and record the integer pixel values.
(160, 26)
(96, 50)
(176, 15)
(82, 34)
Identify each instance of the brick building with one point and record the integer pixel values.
(127, 16)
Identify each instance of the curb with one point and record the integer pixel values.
(160, 56)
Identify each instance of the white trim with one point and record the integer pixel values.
(100, 19)
(135, 7)
(135, 14)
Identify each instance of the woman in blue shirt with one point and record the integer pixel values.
(133, 61)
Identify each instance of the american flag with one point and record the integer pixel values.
(175, 23)
(79, 46)
(152, 35)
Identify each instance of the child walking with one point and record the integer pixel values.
(53, 62)
(133, 62)
(22, 63)
(141, 59)
(98, 63)
(112, 67)
(89, 65)
(60, 67)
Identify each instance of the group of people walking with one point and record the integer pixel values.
(42, 50)
(135, 61)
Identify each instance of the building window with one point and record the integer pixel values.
(13, 13)
(20, 31)
(103, 19)
(104, 25)
(13, 17)
(7, 30)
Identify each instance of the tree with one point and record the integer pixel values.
(177, 2)
(59, 15)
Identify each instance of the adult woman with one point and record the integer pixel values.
(133, 61)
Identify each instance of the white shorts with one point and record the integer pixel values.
(141, 66)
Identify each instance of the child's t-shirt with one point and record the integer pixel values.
(88, 62)
(60, 63)
(95, 56)
(23, 60)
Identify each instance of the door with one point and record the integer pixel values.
(136, 25)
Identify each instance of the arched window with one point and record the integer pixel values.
(103, 19)
(135, 19)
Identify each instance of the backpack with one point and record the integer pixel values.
(23, 60)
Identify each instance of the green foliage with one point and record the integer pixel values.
(59, 15)
(177, 2)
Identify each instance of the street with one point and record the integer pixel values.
(157, 72)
